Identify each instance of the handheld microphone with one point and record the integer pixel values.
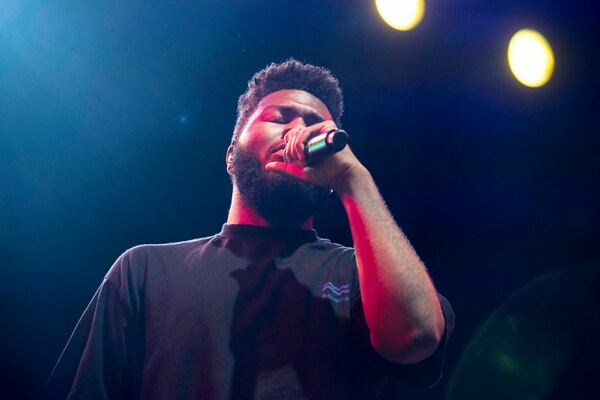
(324, 144)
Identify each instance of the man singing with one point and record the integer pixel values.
(266, 309)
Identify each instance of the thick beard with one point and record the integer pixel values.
(280, 199)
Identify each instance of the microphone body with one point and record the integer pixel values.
(324, 144)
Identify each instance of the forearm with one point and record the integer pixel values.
(399, 300)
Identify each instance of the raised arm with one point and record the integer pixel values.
(400, 303)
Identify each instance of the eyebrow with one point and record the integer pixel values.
(293, 109)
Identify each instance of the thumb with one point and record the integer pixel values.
(287, 169)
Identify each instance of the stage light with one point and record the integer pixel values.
(530, 58)
(402, 15)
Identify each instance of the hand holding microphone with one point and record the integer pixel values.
(307, 154)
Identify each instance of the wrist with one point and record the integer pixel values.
(352, 180)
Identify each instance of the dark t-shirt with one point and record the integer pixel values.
(249, 313)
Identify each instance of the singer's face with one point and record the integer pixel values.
(275, 114)
(279, 198)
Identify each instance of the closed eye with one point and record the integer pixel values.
(284, 114)
(274, 117)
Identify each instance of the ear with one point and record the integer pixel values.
(229, 157)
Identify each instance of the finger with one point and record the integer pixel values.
(295, 144)
(296, 148)
(301, 139)
(322, 127)
(292, 145)
(287, 169)
(289, 138)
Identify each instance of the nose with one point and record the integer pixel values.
(298, 121)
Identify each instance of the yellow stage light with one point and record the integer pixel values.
(530, 58)
(402, 15)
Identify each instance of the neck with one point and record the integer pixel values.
(241, 213)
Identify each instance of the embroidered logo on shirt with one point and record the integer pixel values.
(336, 293)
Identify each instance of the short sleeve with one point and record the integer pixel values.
(391, 378)
(96, 362)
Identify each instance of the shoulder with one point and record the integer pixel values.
(323, 253)
(170, 249)
(141, 259)
(326, 247)
(330, 261)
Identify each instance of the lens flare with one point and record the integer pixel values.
(402, 15)
(530, 58)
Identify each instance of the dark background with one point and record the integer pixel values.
(115, 118)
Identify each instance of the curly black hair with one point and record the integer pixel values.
(290, 74)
